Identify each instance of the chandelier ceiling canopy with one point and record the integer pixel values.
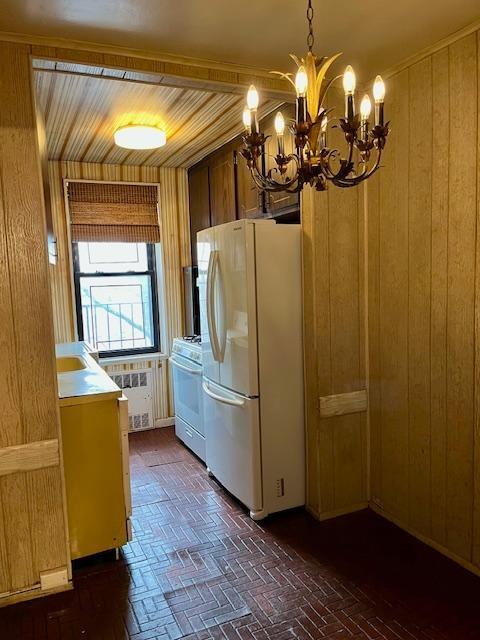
(313, 162)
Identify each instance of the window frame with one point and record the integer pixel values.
(151, 272)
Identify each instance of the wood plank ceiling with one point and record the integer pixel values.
(81, 113)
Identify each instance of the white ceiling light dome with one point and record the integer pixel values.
(139, 136)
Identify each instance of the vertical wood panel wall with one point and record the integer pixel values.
(424, 303)
(32, 516)
(174, 233)
(334, 320)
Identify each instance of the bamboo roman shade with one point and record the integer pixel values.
(113, 212)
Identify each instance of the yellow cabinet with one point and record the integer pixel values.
(94, 476)
(94, 425)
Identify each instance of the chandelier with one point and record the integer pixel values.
(313, 161)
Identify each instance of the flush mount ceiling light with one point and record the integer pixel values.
(137, 136)
(313, 161)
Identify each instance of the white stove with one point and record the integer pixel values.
(187, 370)
(189, 347)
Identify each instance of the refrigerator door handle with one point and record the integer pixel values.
(232, 402)
(210, 305)
(215, 277)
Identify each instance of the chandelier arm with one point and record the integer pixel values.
(271, 185)
(267, 183)
(327, 170)
(354, 180)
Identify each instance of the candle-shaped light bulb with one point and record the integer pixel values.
(247, 119)
(349, 81)
(323, 131)
(379, 96)
(279, 124)
(252, 97)
(301, 82)
(365, 107)
(379, 89)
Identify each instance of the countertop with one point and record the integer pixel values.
(91, 384)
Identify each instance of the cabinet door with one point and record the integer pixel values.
(199, 196)
(222, 188)
(278, 201)
(249, 198)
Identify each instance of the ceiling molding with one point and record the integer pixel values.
(428, 51)
(193, 72)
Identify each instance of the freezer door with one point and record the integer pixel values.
(232, 436)
(207, 261)
(234, 283)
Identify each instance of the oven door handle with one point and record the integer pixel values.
(230, 401)
(175, 363)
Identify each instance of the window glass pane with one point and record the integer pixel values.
(108, 257)
(117, 312)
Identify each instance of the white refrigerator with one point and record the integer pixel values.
(250, 290)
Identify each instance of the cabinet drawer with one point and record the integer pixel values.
(191, 438)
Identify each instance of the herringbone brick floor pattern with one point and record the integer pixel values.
(199, 568)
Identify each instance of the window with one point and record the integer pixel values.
(116, 296)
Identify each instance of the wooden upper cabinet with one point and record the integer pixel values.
(249, 197)
(199, 200)
(222, 187)
(278, 201)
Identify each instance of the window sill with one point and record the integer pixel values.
(138, 357)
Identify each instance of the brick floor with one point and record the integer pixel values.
(199, 568)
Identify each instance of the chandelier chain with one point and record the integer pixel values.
(310, 37)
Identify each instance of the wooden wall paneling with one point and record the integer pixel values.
(11, 431)
(171, 253)
(333, 228)
(419, 284)
(373, 321)
(438, 336)
(249, 198)
(170, 70)
(45, 490)
(29, 457)
(199, 200)
(222, 188)
(364, 366)
(393, 266)
(181, 178)
(27, 500)
(60, 274)
(346, 350)
(476, 488)
(309, 263)
(343, 403)
(322, 324)
(423, 301)
(461, 284)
